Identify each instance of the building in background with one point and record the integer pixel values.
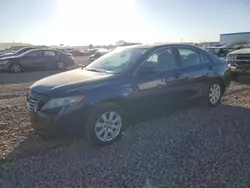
(235, 38)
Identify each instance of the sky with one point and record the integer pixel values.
(83, 22)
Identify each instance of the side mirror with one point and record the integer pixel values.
(146, 70)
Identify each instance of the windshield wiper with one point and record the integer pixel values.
(99, 70)
(95, 70)
(82, 65)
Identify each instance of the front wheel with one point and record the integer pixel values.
(106, 124)
(214, 94)
(15, 68)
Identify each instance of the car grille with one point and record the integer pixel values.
(243, 57)
(242, 61)
(36, 100)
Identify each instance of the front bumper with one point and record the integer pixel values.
(60, 120)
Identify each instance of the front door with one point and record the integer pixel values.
(33, 59)
(156, 80)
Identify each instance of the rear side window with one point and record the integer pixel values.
(189, 57)
(49, 53)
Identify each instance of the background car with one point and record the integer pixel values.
(101, 99)
(220, 51)
(78, 52)
(97, 54)
(37, 59)
(18, 52)
(239, 62)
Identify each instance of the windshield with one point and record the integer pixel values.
(22, 50)
(117, 61)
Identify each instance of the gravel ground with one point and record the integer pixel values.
(194, 147)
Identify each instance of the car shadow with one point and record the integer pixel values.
(244, 80)
(34, 144)
(211, 145)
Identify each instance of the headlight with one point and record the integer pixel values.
(60, 102)
(4, 62)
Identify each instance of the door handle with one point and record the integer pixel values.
(176, 75)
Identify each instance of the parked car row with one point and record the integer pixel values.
(79, 52)
(32, 58)
(97, 54)
(220, 51)
(102, 99)
(239, 62)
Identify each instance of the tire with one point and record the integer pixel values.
(61, 65)
(96, 125)
(213, 95)
(15, 68)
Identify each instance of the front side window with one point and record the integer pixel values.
(161, 60)
(33, 54)
(117, 60)
(189, 57)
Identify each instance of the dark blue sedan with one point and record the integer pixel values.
(101, 99)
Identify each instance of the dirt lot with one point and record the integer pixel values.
(191, 147)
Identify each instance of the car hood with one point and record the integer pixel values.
(7, 55)
(239, 52)
(70, 81)
(7, 58)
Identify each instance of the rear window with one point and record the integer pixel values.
(49, 53)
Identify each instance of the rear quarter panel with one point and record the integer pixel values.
(66, 59)
(222, 71)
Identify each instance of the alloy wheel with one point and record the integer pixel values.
(108, 126)
(16, 68)
(60, 65)
(214, 93)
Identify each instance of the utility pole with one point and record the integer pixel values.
(181, 40)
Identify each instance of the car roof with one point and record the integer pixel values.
(241, 51)
(42, 49)
(159, 45)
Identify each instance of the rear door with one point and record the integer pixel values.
(156, 89)
(50, 59)
(32, 59)
(196, 69)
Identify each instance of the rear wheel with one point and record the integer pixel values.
(61, 65)
(214, 94)
(15, 68)
(107, 123)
